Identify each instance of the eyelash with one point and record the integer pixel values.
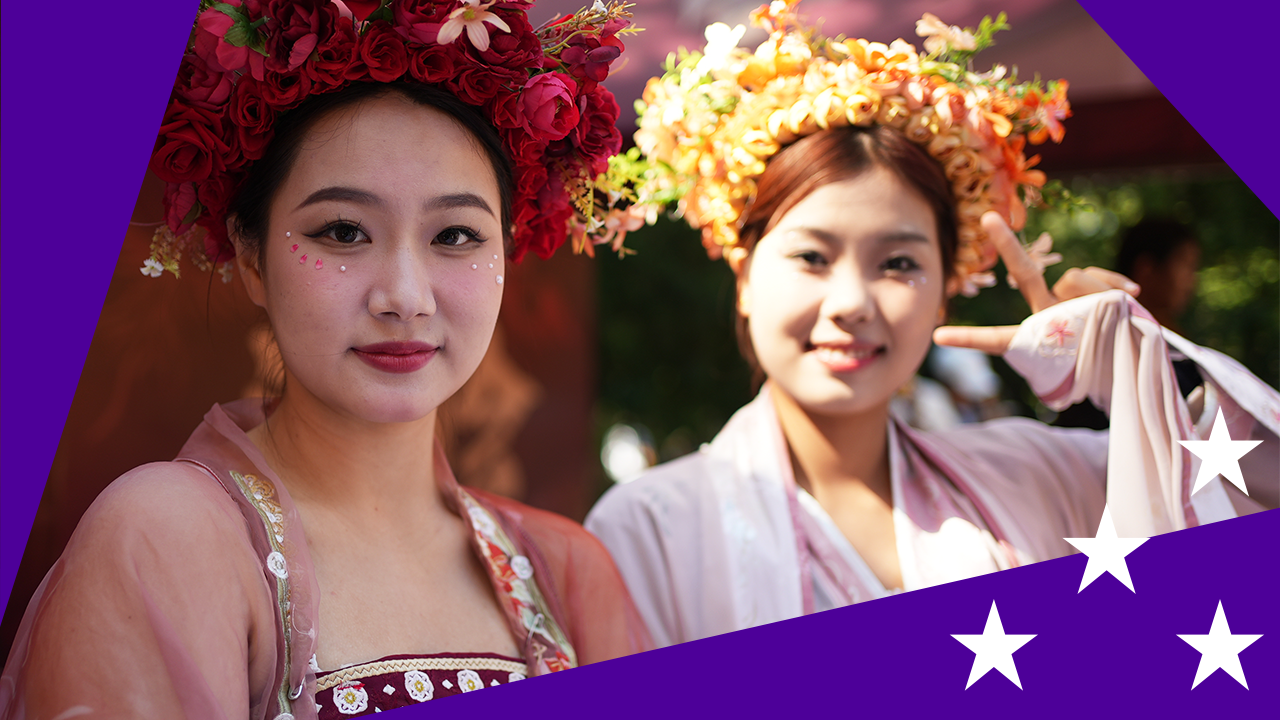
(911, 264)
(469, 234)
(329, 230)
(811, 258)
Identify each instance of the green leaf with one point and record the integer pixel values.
(231, 11)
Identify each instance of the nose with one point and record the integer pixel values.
(403, 288)
(848, 301)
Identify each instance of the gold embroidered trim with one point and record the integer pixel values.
(384, 667)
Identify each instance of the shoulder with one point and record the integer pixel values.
(162, 497)
(674, 488)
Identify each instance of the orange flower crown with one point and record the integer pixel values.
(709, 125)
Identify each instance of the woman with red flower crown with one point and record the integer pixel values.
(368, 169)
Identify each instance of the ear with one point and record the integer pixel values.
(248, 263)
(739, 259)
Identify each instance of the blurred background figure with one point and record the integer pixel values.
(958, 386)
(1162, 255)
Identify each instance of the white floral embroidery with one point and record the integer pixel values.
(514, 677)
(521, 566)
(419, 685)
(493, 683)
(388, 689)
(351, 698)
(277, 565)
(313, 664)
(482, 522)
(447, 684)
(469, 680)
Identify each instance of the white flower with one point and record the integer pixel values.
(469, 680)
(721, 42)
(419, 685)
(521, 566)
(938, 35)
(471, 17)
(225, 271)
(514, 677)
(481, 521)
(152, 268)
(599, 7)
(351, 698)
(277, 565)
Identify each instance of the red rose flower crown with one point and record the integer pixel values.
(249, 61)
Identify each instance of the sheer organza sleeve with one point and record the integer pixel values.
(598, 614)
(1106, 347)
(157, 608)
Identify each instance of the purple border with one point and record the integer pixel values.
(891, 654)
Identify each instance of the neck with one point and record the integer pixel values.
(331, 460)
(831, 451)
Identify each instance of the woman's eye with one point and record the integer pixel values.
(458, 236)
(811, 258)
(344, 233)
(900, 264)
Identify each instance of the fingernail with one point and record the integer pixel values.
(1132, 288)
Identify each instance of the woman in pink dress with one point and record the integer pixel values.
(368, 177)
(854, 188)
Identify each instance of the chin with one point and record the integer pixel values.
(833, 398)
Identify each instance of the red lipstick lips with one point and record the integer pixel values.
(396, 357)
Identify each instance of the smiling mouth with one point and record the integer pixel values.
(846, 358)
(396, 357)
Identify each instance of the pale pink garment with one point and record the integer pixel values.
(188, 590)
(722, 539)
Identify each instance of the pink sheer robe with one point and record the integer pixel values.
(188, 590)
(723, 539)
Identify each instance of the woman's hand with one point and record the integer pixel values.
(1030, 280)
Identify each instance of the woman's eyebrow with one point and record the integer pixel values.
(342, 194)
(459, 200)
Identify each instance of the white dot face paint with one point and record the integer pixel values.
(289, 235)
(473, 267)
(499, 279)
(490, 266)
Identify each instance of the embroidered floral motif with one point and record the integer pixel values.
(521, 566)
(351, 698)
(481, 521)
(514, 677)
(419, 685)
(469, 680)
(315, 666)
(277, 565)
(1061, 337)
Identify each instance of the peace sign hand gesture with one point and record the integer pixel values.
(1029, 277)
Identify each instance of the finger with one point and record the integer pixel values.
(1075, 283)
(990, 340)
(1028, 275)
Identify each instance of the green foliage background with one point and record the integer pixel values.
(669, 361)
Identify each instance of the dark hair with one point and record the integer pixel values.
(1155, 238)
(840, 154)
(252, 204)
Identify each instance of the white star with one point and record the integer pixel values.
(1106, 552)
(994, 650)
(1219, 455)
(1219, 649)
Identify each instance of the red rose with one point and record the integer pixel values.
(432, 64)
(597, 136)
(210, 43)
(547, 109)
(420, 20)
(333, 56)
(296, 28)
(285, 90)
(477, 84)
(190, 145)
(588, 58)
(382, 55)
(217, 192)
(361, 9)
(516, 50)
(252, 117)
(217, 246)
(200, 84)
(548, 233)
(504, 110)
(178, 202)
(523, 148)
